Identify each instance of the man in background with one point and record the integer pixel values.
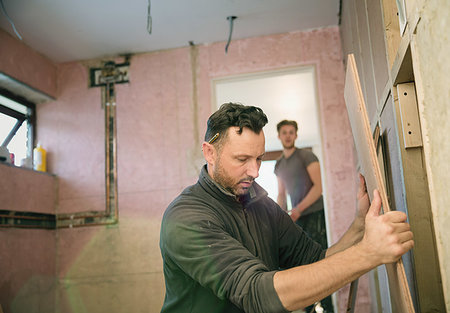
(298, 174)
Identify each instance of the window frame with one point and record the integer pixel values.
(21, 117)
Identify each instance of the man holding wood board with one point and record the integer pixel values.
(227, 247)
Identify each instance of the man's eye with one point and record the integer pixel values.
(242, 160)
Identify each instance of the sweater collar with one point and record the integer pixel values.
(255, 192)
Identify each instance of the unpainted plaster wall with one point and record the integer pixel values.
(27, 256)
(430, 46)
(27, 66)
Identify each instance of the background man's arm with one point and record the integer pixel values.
(281, 198)
(313, 194)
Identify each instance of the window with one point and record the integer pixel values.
(16, 129)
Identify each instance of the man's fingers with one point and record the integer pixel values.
(375, 206)
(405, 243)
(405, 236)
(402, 227)
(295, 214)
(395, 217)
(408, 245)
(362, 190)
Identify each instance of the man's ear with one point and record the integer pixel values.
(209, 153)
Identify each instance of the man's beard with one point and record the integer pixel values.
(290, 146)
(221, 177)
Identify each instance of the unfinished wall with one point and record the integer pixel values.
(27, 66)
(116, 267)
(431, 68)
(161, 119)
(27, 257)
(388, 59)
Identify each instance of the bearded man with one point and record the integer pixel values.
(227, 247)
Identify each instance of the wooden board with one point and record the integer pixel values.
(369, 167)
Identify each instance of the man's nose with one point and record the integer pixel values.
(253, 169)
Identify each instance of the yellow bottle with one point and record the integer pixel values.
(39, 158)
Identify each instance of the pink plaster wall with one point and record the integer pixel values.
(20, 62)
(27, 190)
(27, 256)
(154, 139)
(27, 270)
(71, 129)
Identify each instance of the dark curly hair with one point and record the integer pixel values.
(234, 114)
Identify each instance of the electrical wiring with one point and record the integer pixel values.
(231, 19)
(9, 19)
(149, 18)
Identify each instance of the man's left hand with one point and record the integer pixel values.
(363, 201)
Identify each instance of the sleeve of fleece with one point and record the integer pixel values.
(198, 243)
(296, 247)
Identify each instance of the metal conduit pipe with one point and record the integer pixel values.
(109, 76)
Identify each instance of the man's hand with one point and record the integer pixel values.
(363, 202)
(295, 214)
(387, 237)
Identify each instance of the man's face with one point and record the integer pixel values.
(287, 135)
(238, 161)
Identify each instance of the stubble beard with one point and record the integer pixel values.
(221, 177)
(290, 146)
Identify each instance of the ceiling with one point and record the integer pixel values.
(73, 30)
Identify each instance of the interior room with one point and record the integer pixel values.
(103, 110)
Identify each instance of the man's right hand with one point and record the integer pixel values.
(295, 214)
(387, 236)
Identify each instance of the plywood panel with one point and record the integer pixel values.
(367, 156)
(365, 61)
(379, 57)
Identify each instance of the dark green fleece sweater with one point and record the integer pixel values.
(220, 254)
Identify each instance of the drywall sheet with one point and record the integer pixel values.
(369, 167)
